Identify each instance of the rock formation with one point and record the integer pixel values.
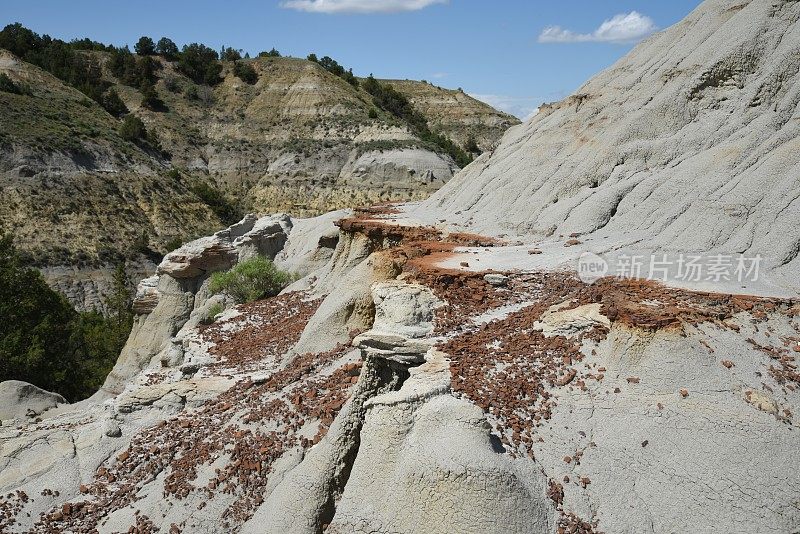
(688, 143)
(20, 399)
(419, 378)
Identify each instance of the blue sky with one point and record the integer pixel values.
(513, 54)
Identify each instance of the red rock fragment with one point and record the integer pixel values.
(727, 364)
(684, 393)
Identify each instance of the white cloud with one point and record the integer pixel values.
(522, 107)
(440, 75)
(359, 6)
(622, 28)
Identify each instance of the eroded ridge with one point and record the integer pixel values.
(222, 454)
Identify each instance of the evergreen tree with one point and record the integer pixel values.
(145, 46)
(472, 146)
(150, 98)
(44, 341)
(230, 54)
(8, 85)
(35, 326)
(200, 63)
(133, 129)
(245, 72)
(167, 49)
(120, 300)
(114, 104)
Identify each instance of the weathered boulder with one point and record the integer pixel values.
(21, 399)
(198, 257)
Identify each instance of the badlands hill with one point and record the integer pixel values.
(420, 379)
(690, 143)
(79, 197)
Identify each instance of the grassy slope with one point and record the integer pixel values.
(74, 192)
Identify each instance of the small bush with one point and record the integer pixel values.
(132, 129)
(373, 114)
(173, 244)
(222, 206)
(251, 280)
(150, 99)
(112, 103)
(191, 93)
(472, 146)
(245, 72)
(213, 311)
(7, 85)
(171, 85)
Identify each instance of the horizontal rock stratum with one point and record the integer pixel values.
(447, 367)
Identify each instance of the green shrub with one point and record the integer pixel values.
(271, 53)
(245, 72)
(132, 129)
(251, 280)
(222, 206)
(472, 146)
(373, 114)
(212, 312)
(114, 104)
(191, 93)
(171, 85)
(173, 244)
(150, 99)
(7, 85)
